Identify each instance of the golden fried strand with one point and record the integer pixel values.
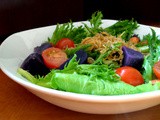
(103, 41)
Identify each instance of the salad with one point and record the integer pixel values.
(90, 59)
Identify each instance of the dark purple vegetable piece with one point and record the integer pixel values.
(42, 47)
(81, 57)
(34, 65)
(132, 58)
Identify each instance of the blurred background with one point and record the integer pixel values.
(18, 15)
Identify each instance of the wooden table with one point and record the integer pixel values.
(17, 103)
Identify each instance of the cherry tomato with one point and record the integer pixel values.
(134, 40)
(53, 57)
(130, 75)
(156, 69)
(65, 43)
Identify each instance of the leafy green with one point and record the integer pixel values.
(27, 75)
(88, 79)
(86, 85)
(96, 20)
(68, 30)
(71, 52)
(95, 24)
(100, 59)
(152, 57)
(41, 81)
(123, 28)
(93, 71)
(71, 66)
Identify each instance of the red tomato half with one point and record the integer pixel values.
(65, 43)
(53, 57)
(130, 75)
(156, 69)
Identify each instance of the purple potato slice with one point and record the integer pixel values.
(34, 65)
(42, 47)
(81, 57)
(132, 58)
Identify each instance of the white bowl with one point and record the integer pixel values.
(19, 45)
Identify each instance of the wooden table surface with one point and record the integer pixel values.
(17, 103)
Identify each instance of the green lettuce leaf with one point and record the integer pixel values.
(68, 30)
(152, 57)
(95, 24)
(123, 28)
(86, 85)
(87, 79)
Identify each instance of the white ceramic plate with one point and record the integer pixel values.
(19, 45)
